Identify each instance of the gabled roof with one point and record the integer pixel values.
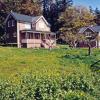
(21, 17)
(95, 28)
(26, 18)
(82, 29)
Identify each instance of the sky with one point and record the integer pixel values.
(87, 3)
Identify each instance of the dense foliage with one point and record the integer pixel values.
(60, 74)
(52, 10)
(30, 87)
(72, 20)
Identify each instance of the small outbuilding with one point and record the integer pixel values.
(89, 31)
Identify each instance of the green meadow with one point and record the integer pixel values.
(60, 65)
(17, 61)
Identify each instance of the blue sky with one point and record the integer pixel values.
(93, 3)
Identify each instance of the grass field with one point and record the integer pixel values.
(14, 61)
(44, 63)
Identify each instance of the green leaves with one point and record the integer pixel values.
(70, 87)
(60, 74)
(73, 19)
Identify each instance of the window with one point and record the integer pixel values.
(52, 36)
(27, 26)
(88, 34)
(37, 36)
(13, 23)
(48, 36)
(29, 36)
(8, 23)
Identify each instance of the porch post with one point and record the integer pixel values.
(55, 39)
(18, 36)
(96, 43)
(99, 40)
(33, 36)
(40, 35)
(26, 36)
(45, 35)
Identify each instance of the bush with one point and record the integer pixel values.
(47, 88)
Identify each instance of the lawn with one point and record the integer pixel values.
(14, 61)
(61, 62)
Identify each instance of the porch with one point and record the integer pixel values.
(36, 39)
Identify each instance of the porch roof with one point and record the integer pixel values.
(42, 32)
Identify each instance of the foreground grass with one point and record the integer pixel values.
(56, 65)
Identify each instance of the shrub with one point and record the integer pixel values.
(33, 88)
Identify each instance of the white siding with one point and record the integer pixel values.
(99, 40)
(27, 26)
(24, 26)
(42, 26)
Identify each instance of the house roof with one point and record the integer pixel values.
(26, 18)
(95, 28)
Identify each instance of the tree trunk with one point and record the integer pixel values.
(89, 49)
(50, 48)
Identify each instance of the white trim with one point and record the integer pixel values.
(43, 19)
(13, 22)
(8, 24)
(18, 36)
(88, 28)
(91, 29)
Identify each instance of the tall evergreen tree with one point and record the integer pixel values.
(97, 16)
(52, 10)
(91, 9)
(2, 16)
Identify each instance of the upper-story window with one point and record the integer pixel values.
(8, 23)
(88, 34)
(27, 26)
(13, 22)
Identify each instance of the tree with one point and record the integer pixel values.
(89, 39)
(73, 19)
(91, 10)
(52, 10)
(30, 7)
(2, 16)
(97, 16)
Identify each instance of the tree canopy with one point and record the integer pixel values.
(72, 19)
